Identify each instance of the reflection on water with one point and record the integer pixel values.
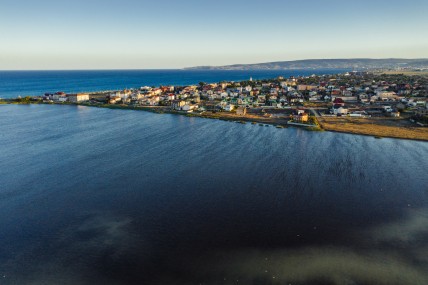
(394, 253)
(96, 196)
(377, 256)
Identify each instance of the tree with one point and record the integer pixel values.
(26, 99)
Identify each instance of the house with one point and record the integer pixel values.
(387, 108)
(300, 116)
(145, 88)
(421, 102)
(339, 110)
(229, 108)
(339, 101)
(385, 96)
(347, 93)
(291, 82)
(363, 97)
(167, 89)
(178, 104)
(80, 97)
(283, 84)
(315, 98)
(241, 111)
(283, 99)
(374, 98)
(299, 111)
(156, 91)
(223, 95)
(171, 97)
(346, 99)
(113, 100)
(395, 114)
(336, 92)
(189, 107)
(154, 101)
(58, 95)
(212, 97)
(302, 87)
(136, 96)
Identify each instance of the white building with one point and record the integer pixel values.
(81, 97)
(189, 107)
(340, 111)
(229, 108)
(386, 95)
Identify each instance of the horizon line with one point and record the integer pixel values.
(201, 66)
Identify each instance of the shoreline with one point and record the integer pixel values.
(393, 132)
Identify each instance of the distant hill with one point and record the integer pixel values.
(353, 63)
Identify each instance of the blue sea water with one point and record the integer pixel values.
(36, 83)
(100, 196)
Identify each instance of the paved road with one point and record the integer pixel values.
(314, 112)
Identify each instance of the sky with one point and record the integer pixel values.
(159, 34)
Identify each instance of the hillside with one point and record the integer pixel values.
(356, 63)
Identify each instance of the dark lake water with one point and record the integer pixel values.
(100, 196)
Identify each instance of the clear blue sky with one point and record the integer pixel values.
(95, 34)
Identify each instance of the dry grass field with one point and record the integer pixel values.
(405, 72)
(378, 127)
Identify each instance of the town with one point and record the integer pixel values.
(370, 103)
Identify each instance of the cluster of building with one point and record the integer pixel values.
(63, 97)
(353, 93)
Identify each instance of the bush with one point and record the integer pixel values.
(25, 100)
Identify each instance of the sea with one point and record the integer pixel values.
(36, 83)
(100, 196)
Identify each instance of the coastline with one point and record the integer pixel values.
(354, 127)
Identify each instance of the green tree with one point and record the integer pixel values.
(26, 99)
